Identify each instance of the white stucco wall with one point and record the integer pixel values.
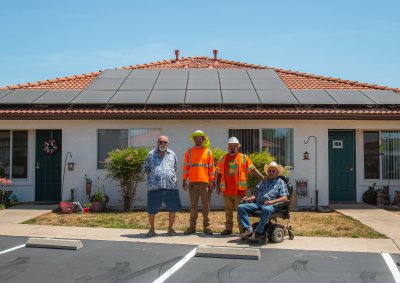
(80, 138)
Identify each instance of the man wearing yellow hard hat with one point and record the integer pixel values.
(198, 168)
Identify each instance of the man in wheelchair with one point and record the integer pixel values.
(267, 197)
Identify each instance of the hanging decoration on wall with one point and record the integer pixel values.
(50, 146)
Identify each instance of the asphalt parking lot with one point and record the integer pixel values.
(108, 261)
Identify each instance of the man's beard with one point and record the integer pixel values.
(162, 148)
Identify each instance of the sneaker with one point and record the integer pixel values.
(246, 234)
(208, 231)
(151, 234)
(190, 231)
(226, 232)
(172, 232)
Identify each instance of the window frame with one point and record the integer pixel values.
(129, 130)
(379, 181)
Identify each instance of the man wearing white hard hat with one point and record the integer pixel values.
(268, 192)
(232, 171)
(198, 168)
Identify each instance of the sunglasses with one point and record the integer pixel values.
(162, 142)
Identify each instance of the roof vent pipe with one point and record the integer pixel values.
(176, 55)
(215, 52)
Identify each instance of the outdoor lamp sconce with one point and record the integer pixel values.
(306, 156)
(71, 166)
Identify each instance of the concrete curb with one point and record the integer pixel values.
(54, 243)
(228, 252)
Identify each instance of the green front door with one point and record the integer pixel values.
(341, 166)
(48, 166)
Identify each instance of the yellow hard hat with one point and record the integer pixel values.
(199, 133)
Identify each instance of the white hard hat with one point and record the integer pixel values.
(233, 140)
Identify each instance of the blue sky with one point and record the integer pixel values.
(353, 40)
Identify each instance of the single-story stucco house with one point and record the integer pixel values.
(354, 127)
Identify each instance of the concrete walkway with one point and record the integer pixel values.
(10, 218)
(382, 221)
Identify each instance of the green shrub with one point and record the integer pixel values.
(126, 167)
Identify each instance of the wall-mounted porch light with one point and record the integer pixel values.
(71, 166)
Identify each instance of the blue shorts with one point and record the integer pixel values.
(170, 197)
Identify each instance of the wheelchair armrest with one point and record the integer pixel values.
(281, 204)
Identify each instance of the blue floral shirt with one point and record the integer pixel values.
(161, 170)
(270, 190)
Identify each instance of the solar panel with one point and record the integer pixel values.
(276, 96)
(57, 96)
(351, 96)
(383, 96)
(114, 74)
(203, 83)
(240, 96)
(20, 96)
(144, 74)
(170, 83)
(203, 73)
(174, 73)
(105, 84)
(167, 97)
(203, 97)
(4, 92)
(130, 97)
(313, 96)
(232, 74)
(138, 84)
(268, 84)
(262, 74)
(236, 84)
(93, 97)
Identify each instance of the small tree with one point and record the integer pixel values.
(259, 159)
(217, 153)
(126, 167)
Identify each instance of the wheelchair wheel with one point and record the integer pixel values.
(263, 240)
(291, 233)
(277, 235)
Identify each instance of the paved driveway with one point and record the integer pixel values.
(108, 261)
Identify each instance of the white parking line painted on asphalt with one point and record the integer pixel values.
(176, 266)
(392, 266)
(12, 249)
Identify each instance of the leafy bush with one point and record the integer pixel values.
(217, 153)
(98, 197)
(126, 167)
(259, 159)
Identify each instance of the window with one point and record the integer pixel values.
(14, 154)
(110, 139)
(278, 142)
(382, 155)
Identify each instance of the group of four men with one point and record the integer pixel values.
(229, 177)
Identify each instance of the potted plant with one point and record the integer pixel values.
(86, 207)
(98, 201)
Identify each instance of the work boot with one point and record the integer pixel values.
(190, 230)
(257, 236)
(208, 231)
(226, 232)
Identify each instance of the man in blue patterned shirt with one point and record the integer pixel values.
(267, 193)
(161, 165)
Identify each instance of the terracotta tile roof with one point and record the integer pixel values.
(293, 79)
(204, 112)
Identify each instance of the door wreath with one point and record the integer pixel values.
(50, 146)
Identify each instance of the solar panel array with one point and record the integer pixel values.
(195, 86)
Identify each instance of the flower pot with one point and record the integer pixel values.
(98, 206)
(86, 210)
(67, 207)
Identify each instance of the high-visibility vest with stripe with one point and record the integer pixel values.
(245, 166)
(198, 165)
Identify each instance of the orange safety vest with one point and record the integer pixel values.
(245, 167)
(198, 165)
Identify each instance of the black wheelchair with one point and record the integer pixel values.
(273, 231)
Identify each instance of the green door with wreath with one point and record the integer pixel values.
(48, 166)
